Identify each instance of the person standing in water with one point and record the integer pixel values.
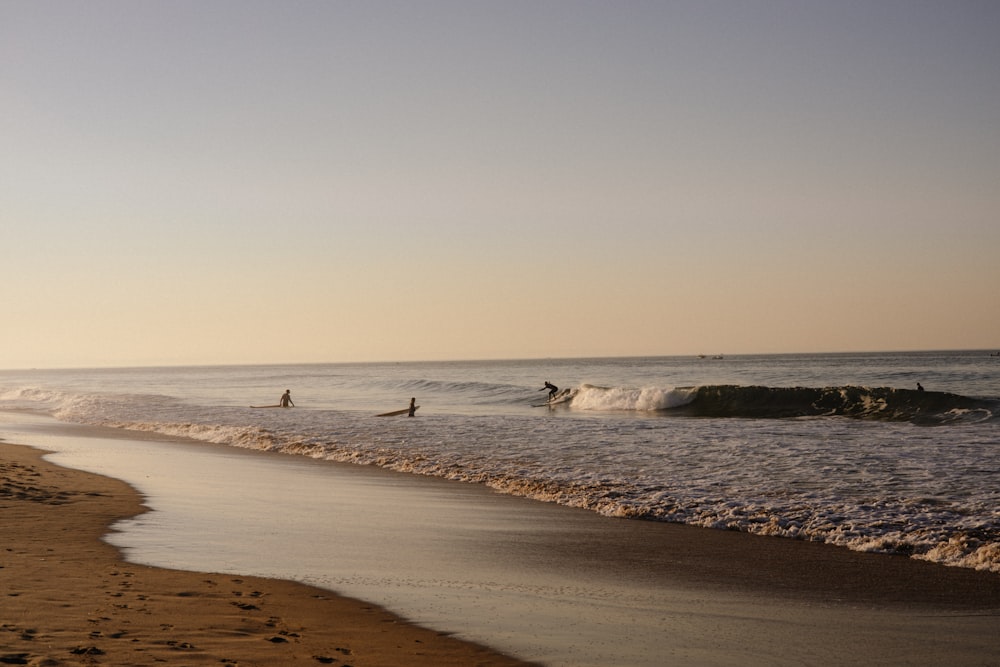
(413, 407)
(286, 399)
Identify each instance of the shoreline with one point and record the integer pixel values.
(71, 599)
(699, 596)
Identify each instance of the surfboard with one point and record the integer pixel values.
(395, 413)
(551, 403)
(562, 397)
(265, 406)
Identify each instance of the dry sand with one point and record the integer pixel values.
(69, 599)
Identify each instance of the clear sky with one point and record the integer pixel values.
(190, 182)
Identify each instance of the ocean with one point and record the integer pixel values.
(834, 448)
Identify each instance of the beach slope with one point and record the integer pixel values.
(68, 598)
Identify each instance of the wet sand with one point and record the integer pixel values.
(70, 599)
(542, 582)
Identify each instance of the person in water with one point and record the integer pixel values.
(286, 399)
(920, 387)
(413, 407)
(553, 390)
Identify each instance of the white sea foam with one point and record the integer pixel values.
(646, 399)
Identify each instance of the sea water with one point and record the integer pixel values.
(836, 448)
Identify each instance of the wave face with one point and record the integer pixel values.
(882, 403)
(760, 402)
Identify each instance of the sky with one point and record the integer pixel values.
(238, 182)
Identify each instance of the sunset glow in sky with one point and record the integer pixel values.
(188, 182)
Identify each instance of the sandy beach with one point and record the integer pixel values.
(70, 599)
(591, 590)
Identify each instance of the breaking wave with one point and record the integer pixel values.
(758, 402)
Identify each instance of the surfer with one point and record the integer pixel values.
(553, 390)
(920, 387)
(286, 399)
(413, 407)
